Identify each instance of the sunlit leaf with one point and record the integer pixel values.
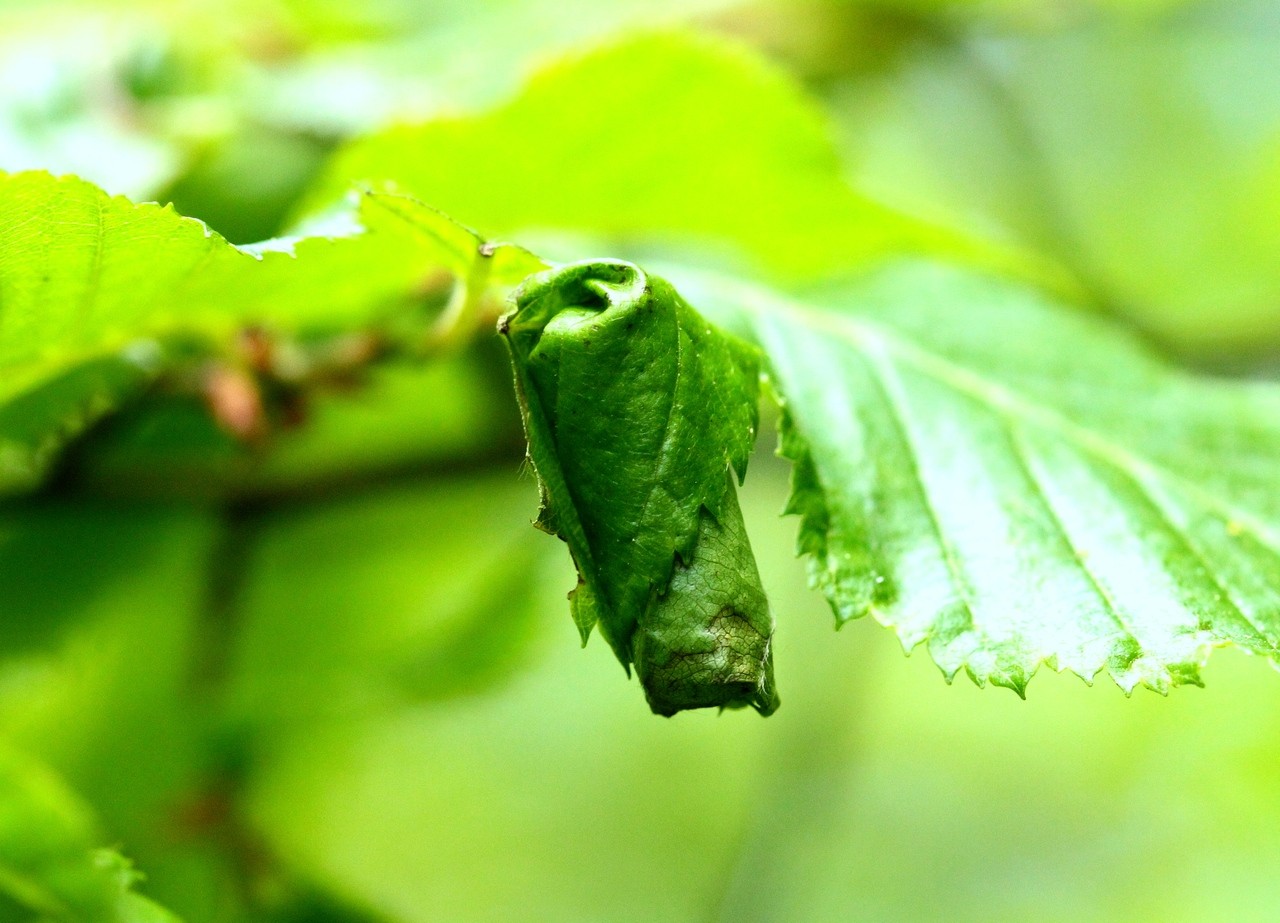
(86, 278)
(1012, 484)
(661, 138)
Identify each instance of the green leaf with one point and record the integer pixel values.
(362, 605)
(35, 425)
(399, 417)
(1012, 484)
(657, 138)
(90, 279)
(447, 57)
(103, 630)
(49, 863)
(636, 408)
(1035, 130)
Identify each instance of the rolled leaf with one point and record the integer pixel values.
(705, 640)
(637, 409)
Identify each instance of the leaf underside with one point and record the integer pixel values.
(1011, 483)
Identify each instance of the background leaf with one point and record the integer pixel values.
(85, 278)
(774, 820)
(99, 641)
(585, 148)
(1139, 150)
(402, 603)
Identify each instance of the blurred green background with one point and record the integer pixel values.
(335, 678)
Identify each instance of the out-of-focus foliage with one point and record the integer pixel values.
(275, 626)
(854, 801)
(460, 624)
(1141, 151)
(51, 867)
(94, 681)
(97, 289)
(686, 141)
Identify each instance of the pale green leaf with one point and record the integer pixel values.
(1174, 215)
(49, 861)
(658, 138)
(87, 278)
(1011, 484)
(1145, 158)
(437, 58)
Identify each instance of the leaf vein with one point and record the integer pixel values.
(869, 338)
(1022, 455)
(886, 378)
(1221, 590)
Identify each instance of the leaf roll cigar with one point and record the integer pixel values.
(638, 411)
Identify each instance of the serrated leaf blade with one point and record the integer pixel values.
(93, 287)
(1011, 483)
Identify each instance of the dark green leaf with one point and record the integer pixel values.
(636, 408)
